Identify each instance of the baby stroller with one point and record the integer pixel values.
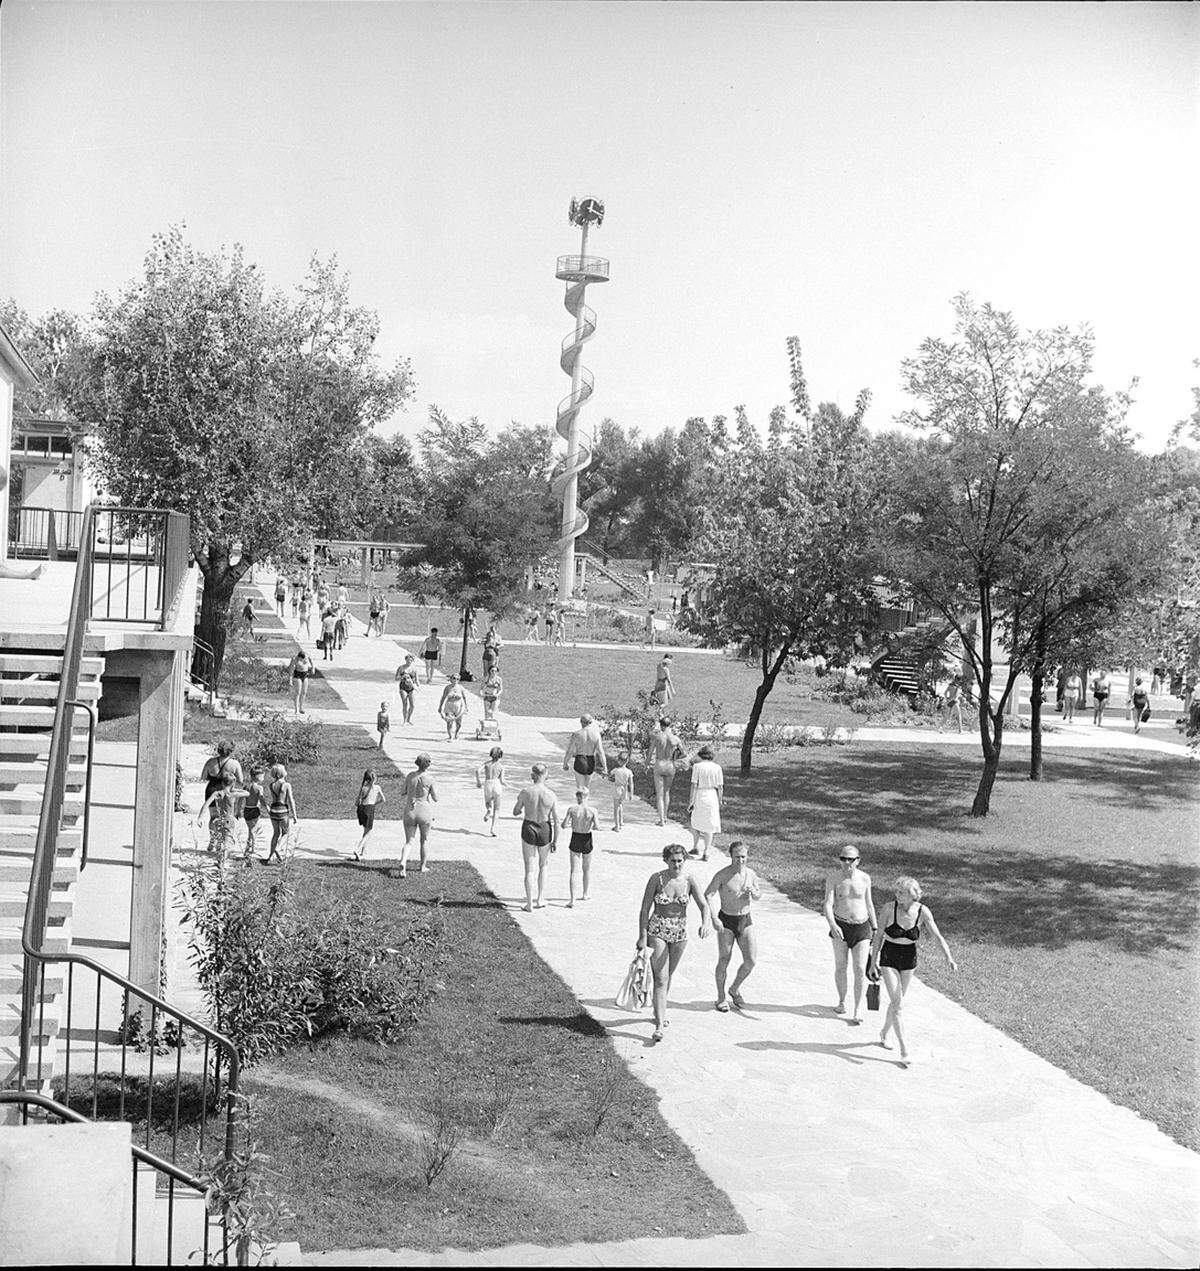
(489, 725)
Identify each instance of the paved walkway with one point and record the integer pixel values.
(980, 1153)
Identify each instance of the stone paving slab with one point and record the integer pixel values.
(980, 1153)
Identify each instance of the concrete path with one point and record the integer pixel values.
(980, 1153)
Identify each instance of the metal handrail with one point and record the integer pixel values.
(27, 1098)
(87, 776)
(45, 850)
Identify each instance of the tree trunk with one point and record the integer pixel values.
(463, 673)
(1035, 722)
(220, 579)
(991, 731)
(770, 674)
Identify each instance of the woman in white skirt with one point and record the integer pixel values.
(708, 783)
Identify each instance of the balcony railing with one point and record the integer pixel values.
(582, 269)
(44, 533)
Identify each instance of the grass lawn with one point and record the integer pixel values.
(504, 1039)
(325, 789)
(1073, 910)
(546, 681)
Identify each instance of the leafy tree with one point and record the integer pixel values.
(794, 547)
(53, 346)
(990, 529)
(486, 515)
(208, 393)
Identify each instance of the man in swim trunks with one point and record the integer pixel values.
(850, 912)
(431, 652)
(585, 751)
(735, 887)
(537, 805)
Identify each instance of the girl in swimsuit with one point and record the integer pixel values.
(490, 777)
(302, 668)
(370, 796)
(419, 798)
(894, 955)
(664, 745)
(662, 926)
(582, 819)
(282, 809)
(453, 707)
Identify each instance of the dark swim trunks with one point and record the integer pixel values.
(853, 932)
(581, 843)
(737, 923)
(536, 833)
(585, 764)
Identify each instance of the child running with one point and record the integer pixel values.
(489, 776)
(583, 820)
(622, 778)
(370, 795)
(383, 723)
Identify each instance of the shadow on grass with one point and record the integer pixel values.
(1103, 850)
(580, 1022)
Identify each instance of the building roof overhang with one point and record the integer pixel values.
(19, 371)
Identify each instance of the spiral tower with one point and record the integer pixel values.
(577, 272)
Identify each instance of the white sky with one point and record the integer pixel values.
(832, 171)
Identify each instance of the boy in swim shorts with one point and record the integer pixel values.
(383, 723)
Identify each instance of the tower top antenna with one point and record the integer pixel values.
(586, 211)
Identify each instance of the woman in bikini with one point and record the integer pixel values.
(419, 798)
(453, 707)
(662, 924)
(894, 955)
(489, 776)
(664, 746)
(301, 668)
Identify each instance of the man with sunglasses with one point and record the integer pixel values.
(850, 913)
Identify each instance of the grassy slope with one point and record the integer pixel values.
(349, 1170)
(1072, 910)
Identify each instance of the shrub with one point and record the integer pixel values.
(442, 1129)
(245, 672)
(274, 972)
(277, 739)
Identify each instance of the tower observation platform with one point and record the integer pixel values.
(582, 269)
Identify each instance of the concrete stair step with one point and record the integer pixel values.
(12, 977)
(18, 840)
(34, 716)
(16, 690)
(15, 872)
(32, 772)
(47, 664)
(12, 904)
(10, 1065)
(45, 1022)
(36, 746)
(18, 804)
(58, 940)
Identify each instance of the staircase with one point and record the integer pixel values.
(28, 688)
(897, 669)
